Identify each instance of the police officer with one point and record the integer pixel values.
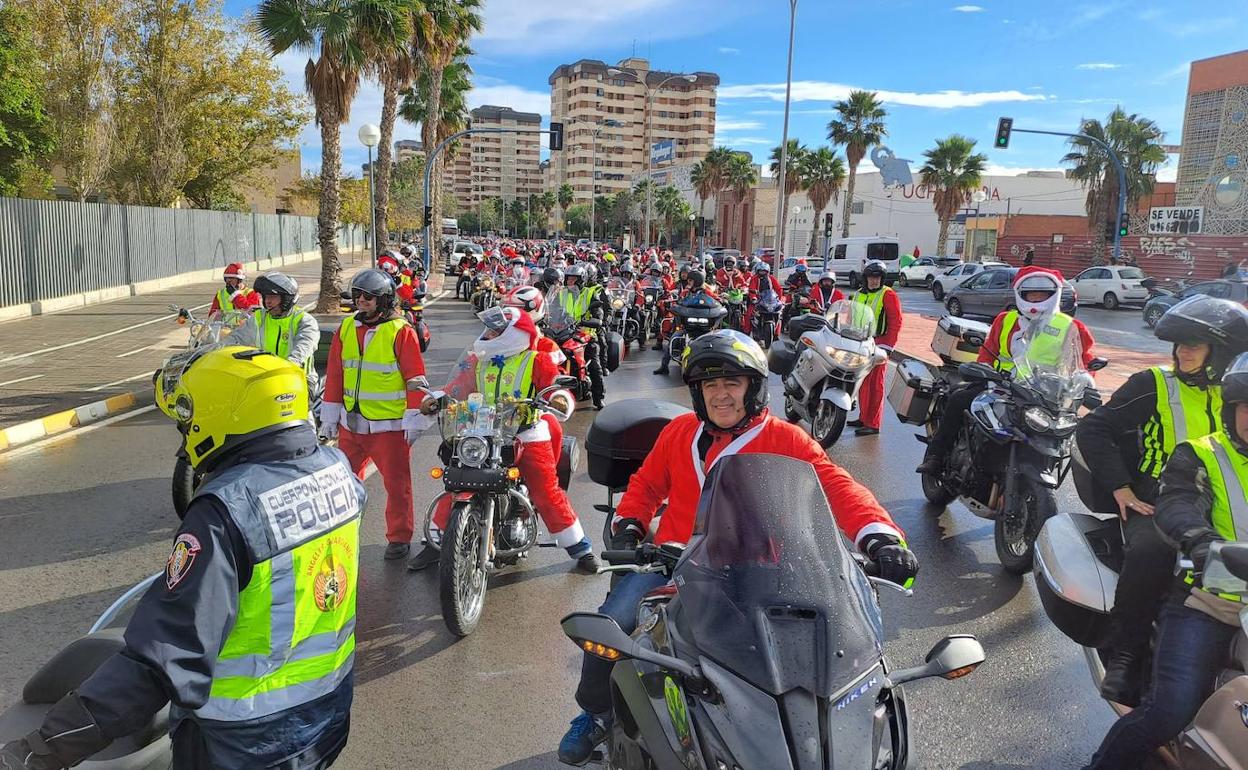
(1201, 502)
(1128, 441)
(213, 635)
(280, 328)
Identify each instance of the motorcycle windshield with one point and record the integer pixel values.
(767, 587)
(1051, 365)
(489, 405)
(620, 297)
(559, 319)
(767, 300)
(852, 320)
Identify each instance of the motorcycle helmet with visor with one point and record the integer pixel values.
(1222, 324)
(726, 353)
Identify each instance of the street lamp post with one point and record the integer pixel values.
(781, 198)
(593, 175)
(370, 137)
(979, 196)
(650, 94)
(796, 210)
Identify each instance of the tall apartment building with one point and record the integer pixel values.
(1213, 161)
(498, 165)
(680, 107)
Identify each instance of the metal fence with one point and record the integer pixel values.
(51, 249)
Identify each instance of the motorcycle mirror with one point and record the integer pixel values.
(1091, 399)
(1097, 364)
(558, 401)
(951, 658)
(601, 636)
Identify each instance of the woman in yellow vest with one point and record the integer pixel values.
(1203, 500)
(249, 633)
(1127, 443)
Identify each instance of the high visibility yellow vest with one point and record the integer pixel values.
(1183, 412)
(577, 305)
(1045, 347)
(1228, 472)
(275, 334)
(372, 381)
(293, 638)
(224, 300)
(875, 301)
(514, 377)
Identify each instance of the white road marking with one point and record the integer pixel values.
(75, 343)
(132, 352)
(119, 382)
(25, 449)
(23, 379)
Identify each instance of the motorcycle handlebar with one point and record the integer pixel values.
(620, 557)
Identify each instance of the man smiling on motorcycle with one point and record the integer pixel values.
(726, 372)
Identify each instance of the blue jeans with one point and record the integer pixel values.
(593, 693)
(1191, 652)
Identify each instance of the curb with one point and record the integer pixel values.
(61, 422)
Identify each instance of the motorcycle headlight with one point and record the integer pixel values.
(473, 451)
(698, 321)
(1066, 421)
(847, 358)
(1037, 419)
(649, 299)
(617, 304)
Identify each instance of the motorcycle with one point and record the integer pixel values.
(834, 353)
(692, 321)
(148, 748)
(1077, 560)
(492, 522)
(484, 294)
(1013, 448)
(573, 340)
(734, 300)
(620, 300)
(765, 324)
(414, 312)
(765, 649)
(649, 314)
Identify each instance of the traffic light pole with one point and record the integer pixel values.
(431, 161)
(1122, 179)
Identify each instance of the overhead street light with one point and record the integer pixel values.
(370, 137)
(781, 198)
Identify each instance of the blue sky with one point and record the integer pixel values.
(941, 66)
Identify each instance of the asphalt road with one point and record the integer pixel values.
(85, 516)
(1123, 328)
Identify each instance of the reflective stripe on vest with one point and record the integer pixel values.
(1045, 347)
(875, 301)
(293, 638)
(1183, 412)
(372, 382)
(275, 334)
(1228, 471)
(516, 372)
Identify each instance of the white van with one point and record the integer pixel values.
(846, 256)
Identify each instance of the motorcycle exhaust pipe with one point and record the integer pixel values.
(524, 503)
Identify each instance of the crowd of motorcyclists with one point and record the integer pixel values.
(1170, 448)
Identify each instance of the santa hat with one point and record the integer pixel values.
(509, 252)
(1033, 270)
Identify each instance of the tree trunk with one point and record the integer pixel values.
(327, 219)
(429, 136)
(849, 201)
(943, 238)
(385, 156)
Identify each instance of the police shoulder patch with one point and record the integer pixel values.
(185, 549)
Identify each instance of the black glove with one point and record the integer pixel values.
(69, 735)
(896, 563)
(1197, 549)
(626, 534)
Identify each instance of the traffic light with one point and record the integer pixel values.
(1124, 225)
(827, 225)
(556, 136)
(1004, 125)
(428, 220)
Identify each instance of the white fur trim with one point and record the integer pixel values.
(535, 435)
(877, 527)
(509, 343)
(570, 536)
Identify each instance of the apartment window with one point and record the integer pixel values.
(598, 92)
(697, 113)
(712, 102)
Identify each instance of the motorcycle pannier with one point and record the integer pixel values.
(911, 392)
(957, 340)
(805, 323)
(622, 435)
(782, 357)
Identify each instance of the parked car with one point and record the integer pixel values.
(848, 255)
(814, 266)
(1110, 286)
(1156, 307)
(990, 291)
(921, 271)
(956, 276)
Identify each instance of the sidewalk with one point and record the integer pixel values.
(107, 352)
(916, 341)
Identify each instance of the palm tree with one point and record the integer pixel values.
(716, 163)
(701, 176)
(952, 170)
(441, 30)
(823, 175)
(340, 38)
(794, 152)
(395, 69)
(739, 178)
(453, 105)
(670, 204)
(1137, 142)
(565, 197)
(859, 126)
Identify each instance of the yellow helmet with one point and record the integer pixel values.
(229, 395)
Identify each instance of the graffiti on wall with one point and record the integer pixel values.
(1179, 249)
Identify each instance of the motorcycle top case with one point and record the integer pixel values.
(802, 324)
(955, 339)
(911, 392)
(782, 357)
(622, 435)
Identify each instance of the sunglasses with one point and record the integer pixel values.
(357, 294)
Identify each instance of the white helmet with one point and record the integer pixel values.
(528, 299)
(1037, 281)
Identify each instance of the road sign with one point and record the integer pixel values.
(1175, 220)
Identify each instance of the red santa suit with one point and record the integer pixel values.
(734, 279)
(386, 442)
(756, 285)
(242, 298)
(674, 471)
(822, 299)
(991, 349)
(888, 329)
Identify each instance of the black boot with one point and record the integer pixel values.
(1122, 678)
(932, 465)
(427, 557)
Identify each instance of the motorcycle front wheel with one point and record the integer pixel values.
(827, 423)
(185, 480)
(935, 490)
(461, 578)
(1015, 536)
(790, 411)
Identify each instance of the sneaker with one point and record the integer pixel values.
(588, 564)
(397, 550)
(579, 742)
(427, 557)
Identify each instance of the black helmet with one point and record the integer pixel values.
(696, 279)
(591, 272)
(1219, 323)
(377, 283)
(725, 353)
(280, 284)
(552, 276)
(1234, 391)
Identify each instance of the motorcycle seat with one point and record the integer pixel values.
(1239, 653)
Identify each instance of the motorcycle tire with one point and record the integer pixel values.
(461, 579)
(790, 412)
(1016, 549)
(185, 481)
(935, 491)
(827, 423)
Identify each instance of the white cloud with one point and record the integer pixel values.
(814, 90)
(730, 51)
(751, 140)
(968, 9)
(515, 97)
(1167, 174)
(1098, 65)
(728, 124)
